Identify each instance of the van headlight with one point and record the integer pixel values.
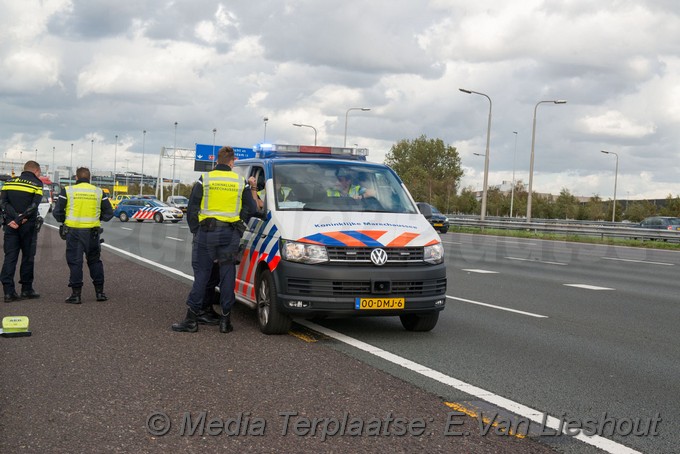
(294, 251)
(433, 254)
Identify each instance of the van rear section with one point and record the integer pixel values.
(338, 236)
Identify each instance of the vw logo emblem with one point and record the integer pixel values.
(378, 256)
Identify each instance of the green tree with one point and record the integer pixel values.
(596, 209)
(467, 202)
(566, 205)
(639, 210)
(430, 169)
(672, 207)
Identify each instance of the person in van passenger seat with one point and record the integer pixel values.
(257, 190)
(344, 188)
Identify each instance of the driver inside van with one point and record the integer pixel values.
(344, 186)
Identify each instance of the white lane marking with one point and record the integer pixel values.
(497, 307)
(471, 270)
(150, 262)
(516, 242)
(451, 242)
(480, 393)
(638, 261)
(173, 238)
(588, 287)
(126, 228)
(536, 261)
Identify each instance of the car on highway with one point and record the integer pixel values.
(660, 222)
(117, 199)
(178, 201)
(141, 209)
(438, 220)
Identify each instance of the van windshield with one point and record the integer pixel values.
(339, 186)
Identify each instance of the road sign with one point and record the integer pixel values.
(206, 156)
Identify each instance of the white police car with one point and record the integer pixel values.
(142, 209)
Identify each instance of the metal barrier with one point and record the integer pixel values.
(601, 229)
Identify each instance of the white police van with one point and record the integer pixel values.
(338, 236)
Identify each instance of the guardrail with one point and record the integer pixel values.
(601, 229)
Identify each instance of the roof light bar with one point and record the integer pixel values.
(271, 149)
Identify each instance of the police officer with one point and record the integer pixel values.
(219, 203)
(81, 208)
(19, 202)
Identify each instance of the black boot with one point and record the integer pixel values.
(29, 293)
(188, 325)
(75, 296)
(99, 292)
(225, 323)
(208, 317)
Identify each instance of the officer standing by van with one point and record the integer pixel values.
(81, 208)
(19, 202)
(219, 204)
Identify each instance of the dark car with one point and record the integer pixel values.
(438, 220)
(660, 222)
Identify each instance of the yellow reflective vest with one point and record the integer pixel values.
(83, 206)
(222, 196)
(352, 191)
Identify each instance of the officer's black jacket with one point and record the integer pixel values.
(248, 205)
(59, 211)
(20, 205)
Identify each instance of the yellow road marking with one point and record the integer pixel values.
(475, 415)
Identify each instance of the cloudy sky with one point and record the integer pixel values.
(73, 71)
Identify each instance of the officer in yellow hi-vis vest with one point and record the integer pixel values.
(81, 208)
(219, 204)
(19, 202)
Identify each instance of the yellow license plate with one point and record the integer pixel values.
(378, 303)
(439, 225)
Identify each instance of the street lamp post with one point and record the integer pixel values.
(174, 155)
(213, 149)
(264, 138)
(115, 154)
(486, 157)
(531, 163)
(512, 191)
(363, 109)
(141, 181)
(92, 155)
(54, 170)
(70, 169)
(299, 125)
(616, 177)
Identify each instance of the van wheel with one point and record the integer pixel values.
(123, 216)
(269, 317)
(158, 217)
(418, 322)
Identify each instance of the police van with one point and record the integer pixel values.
(337, 236)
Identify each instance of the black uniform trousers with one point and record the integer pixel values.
(79, 242)
(220, 244)
(24, 240)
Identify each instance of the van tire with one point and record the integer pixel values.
(419, 322)
(269, 317)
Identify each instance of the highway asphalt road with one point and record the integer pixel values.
(572, 331)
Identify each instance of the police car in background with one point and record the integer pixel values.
(313, 252)
(142, 209)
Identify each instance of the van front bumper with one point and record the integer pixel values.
(309, 290)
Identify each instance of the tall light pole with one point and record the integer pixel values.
(36, 155)
(213, 150)
(115, 154)
(264, 138)
(299, 125)
(141, 181)
(174, 155)
(531, 163)
(92, 155)
(616, 177)
(363, 109)
(512, 191)
(486, 158)
(54, 170)
(70, 169)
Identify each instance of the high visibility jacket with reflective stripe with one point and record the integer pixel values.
(353, 191)
(83, 206)
(19, 184)
(222, 196)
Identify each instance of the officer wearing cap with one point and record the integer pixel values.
(81, 208)
(345, 187)
(19, 202)
(219, 203)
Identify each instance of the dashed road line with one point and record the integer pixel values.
(530, 314)
(471, 270)
(173, 238)
(647, 262)
(588, 286)
(537, 261)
